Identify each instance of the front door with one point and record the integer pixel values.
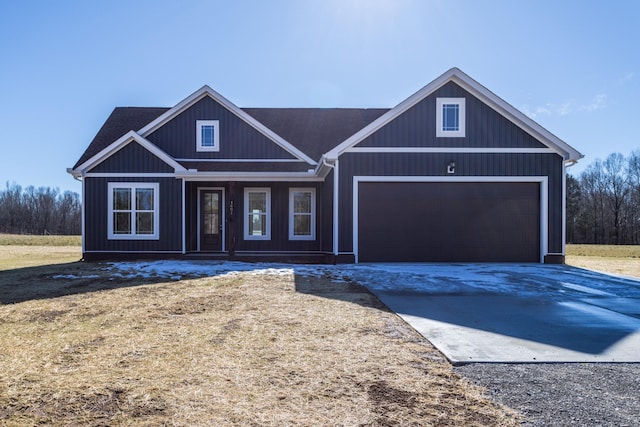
(211, 220)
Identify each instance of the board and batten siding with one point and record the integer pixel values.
(132, 158)
(97, 210)
(279, 241)
(238, 140)
(325, 213)
(485, 127)
(467, 164)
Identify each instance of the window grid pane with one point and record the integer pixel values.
(208, 136)
(257, 223)
(144, 199)
(302, 225)
(121, 223)
(144, 223)
(451, 117)
(302, 202)
(258, 201)
(122, 199)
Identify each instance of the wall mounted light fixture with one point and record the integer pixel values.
(451, 168)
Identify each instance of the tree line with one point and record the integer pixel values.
(41, 210)
(603, 202)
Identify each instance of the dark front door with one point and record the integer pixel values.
(211, 220)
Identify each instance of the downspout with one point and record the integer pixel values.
(335, 167)
(184, 219)
(82, 205)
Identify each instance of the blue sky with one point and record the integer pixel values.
(573, 66)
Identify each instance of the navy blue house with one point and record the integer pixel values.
(452, 173)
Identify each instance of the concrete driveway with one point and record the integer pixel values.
(513, 312)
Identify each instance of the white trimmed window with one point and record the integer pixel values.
(450, 117)
(257, 213)
(207, 135)
(133, 211)
(302, 214)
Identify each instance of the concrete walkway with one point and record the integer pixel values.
(520, 313)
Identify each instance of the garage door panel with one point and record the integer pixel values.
(449, 222)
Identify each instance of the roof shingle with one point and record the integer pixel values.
(314, 131)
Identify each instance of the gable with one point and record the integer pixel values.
(115, 149)
(485, 127)
(206, 92)
(132, 158)
(441, 85)
(238, 140)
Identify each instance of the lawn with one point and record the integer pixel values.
(616, 259)
(81, 344)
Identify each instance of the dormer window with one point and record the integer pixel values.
(207, 135)
(450, 117)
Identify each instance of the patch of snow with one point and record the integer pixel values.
(73, 276)
(506, 279)
(586, 289)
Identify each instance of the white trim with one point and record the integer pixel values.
(120, 143)
(336, 211)
(207, 91)
(156, 210)
(83, 207)
(544, 218)
(129, 175)
(292, 214)
(564, 208)
(462, 127)
(544, 191)
(475, 89)
(242, 160)
(184, 217)
(259, 253)
(216, 135)
(449, 150)
(249, 176)
(245, 209)
(134, 252)
(222, 219)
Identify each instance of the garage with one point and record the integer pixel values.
(448, 221)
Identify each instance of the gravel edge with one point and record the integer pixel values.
(563, 394)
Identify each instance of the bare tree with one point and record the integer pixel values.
(616, 189)
(39, 211)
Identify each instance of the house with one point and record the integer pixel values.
(452, 173)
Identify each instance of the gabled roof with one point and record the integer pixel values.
(120, 121)
(309, 134)
(313, 131)
(207, 91)
(125, 139)
(485, 95)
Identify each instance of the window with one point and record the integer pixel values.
(207, 135)
(450, 117)
(302, 214)
(133, 210)
(257, 213)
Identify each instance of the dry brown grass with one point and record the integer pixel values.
(15, 257)
(30, 240)
(241, 349)
(622, 259)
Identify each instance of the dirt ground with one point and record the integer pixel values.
(88, 348)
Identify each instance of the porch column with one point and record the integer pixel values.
(230, 225)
